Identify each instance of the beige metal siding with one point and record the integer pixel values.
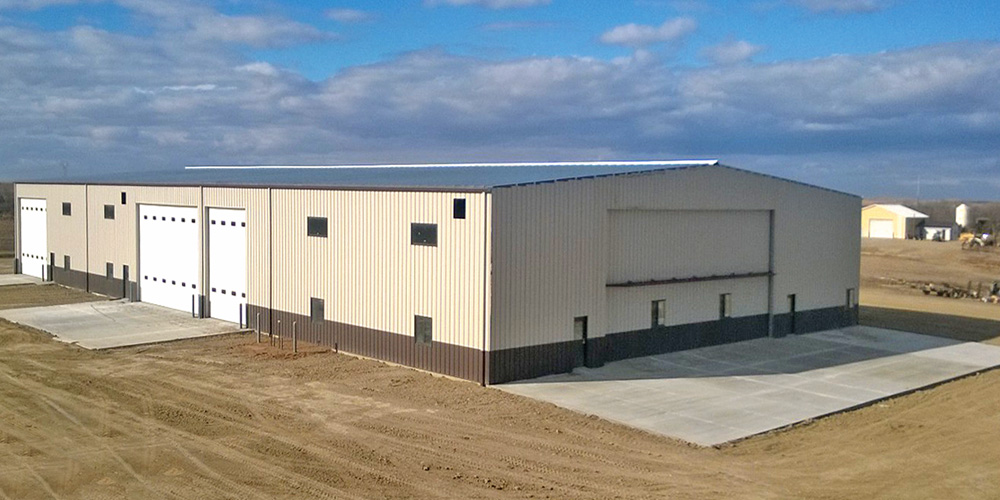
(664, 244)
(66, 235)
(366, 270)
(116, 240)
(549, 249)
(551, 241)
(629, 309)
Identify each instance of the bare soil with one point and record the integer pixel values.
(226, 417)
(927, 261)
(6, 236)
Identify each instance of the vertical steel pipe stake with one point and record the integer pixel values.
(258, 328)
(295, 339)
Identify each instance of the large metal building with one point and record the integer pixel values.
(490, 273)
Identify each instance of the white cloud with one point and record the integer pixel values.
(107, 101)
(639, 35)
(351, 15)
(491, 4)
(842, 6)
(731, 52)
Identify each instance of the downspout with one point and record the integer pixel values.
(270, 263)
(770, 273)
(86, 239)
(486, 284)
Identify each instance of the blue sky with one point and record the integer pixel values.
(867, 96)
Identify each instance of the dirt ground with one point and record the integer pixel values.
(928, 261)
(229, 418)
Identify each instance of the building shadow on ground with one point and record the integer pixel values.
(938, 325)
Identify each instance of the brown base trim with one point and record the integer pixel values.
(452, 360)
(70, 278)
(815, 320)
(113, 288)
(520, 363)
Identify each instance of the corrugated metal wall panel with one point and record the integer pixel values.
(551, 248)
(663, 244)
(368, 273)
(67, 235)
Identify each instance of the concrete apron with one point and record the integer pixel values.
(106, 325)
(20, 279)
(719, 394)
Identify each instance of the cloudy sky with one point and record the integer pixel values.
(875, 97)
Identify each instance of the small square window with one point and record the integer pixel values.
(458, 208)
(316, 226)
(423, 330)
(110, 270)
(315, 310)
(67, 208)
(423, 234)
(659, 313)
(725, 305)
(66, 262)
(109, 212)
(123, 197)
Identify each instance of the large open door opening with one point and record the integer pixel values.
(168, 257)
(227, 264)
(34, 242)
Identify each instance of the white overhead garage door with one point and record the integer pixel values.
(34, 242)
(168, 256)
(880, 228)
(227, 264)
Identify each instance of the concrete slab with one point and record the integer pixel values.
(19, 279)
(105, 325)
(718, 394)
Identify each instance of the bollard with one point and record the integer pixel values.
(192, 306)
(295, 339)
(258, 328)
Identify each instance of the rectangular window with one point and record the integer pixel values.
(110, 270)
(66, 262)
(316, 226)
(424, 234)
(852, 297)
(316, 310)
(123, 197)
(725, 305)
(458, 208)
(109, 212)
(423, 331)
(659, 313)
(67, 208)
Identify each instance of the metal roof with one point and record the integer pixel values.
(901, 210)
(460, 176)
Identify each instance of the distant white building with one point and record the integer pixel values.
(962, 215)
(891, 221)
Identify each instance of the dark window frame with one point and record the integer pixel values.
(123, 198)
(67, 208)
(423, 234)
(109, 212)
(458, 206)
(318, 227)
(423, 330)
(317, 310)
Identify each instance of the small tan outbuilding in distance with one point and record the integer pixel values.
(891, 221)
